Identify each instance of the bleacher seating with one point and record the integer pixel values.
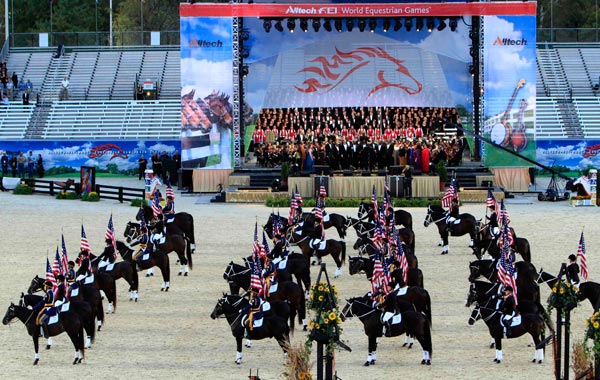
(548, 119)
(14, 120)
(575, 71)
(72, 120)
(588, 110)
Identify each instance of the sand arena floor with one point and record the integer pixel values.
(171, 335)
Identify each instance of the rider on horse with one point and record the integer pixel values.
(388, 304)
(318, 233)
(61, 294)
(158, 233)
(70, 273)
(142, 240)
(169, 210)
(84, 270)
(255, 309)
(573, 270)
(44, 304)
(107, 256)
(279, 251)
(269, 275)
(453, 215)
(493, 227)
(508, 307)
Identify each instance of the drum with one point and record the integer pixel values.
(500, 134)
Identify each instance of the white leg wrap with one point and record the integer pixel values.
(374, 355)
(187, 269)
(135, 294)
(37, 356)
(499, 354)
(541, 354)
(110, 308)
(192, 246)
(304, 322)
(168, 284)
(412, 340)
(50, 341)
(369, 357)
(76, 354)
(338, 272)
(88, 342)
(248, 343)
(426, 355)
(405, 339)
(180, 268)
(238, 358)
(445, 249)
(150, 271)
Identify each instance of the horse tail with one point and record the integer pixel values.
(302, 310)
(545, 317)
(192, 237)
(427, 310)
(188, 252)
(114, 293)
(81, 339)
(428, 342)
(343, 251)
(100, 310)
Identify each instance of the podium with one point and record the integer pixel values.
(397, 186)
(317, 185)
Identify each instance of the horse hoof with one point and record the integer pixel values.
(136, 300)
(75, 361)
(98, 329)
(540, 361)
(410, 346)
(48, 347)
(166, 289)
(305, 328)
(185, 274)
(367, 363)
(238, 362)
(162, 289)
(423, 362)
(533, 361)
(492, 345)
(405, 344)
(35, 362)
(147, 275)
(179, 274)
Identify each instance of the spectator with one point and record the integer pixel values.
(15, 80)
(22, 85)
(25, 98)
(29, 86)
(5, 101)
(60, 50)
(142, 165)
(30, 164)
(40, 166)
(4, 161)
(21, 160)
(9, 89)
(13, 165)
(64, 90)
(139, 92)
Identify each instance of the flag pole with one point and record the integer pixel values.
(51, 3)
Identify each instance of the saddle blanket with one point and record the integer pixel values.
(74, 291)
(282, 263)
(516, 320)
(265, 306)
(65, 307)
(273, 288)
(325, 217)
(146, 256)
(102, 264)
(109, 267)
(393, 319)
(89, 280)
(256, 323)
(402, 291)
(53, 319)
(320, 246)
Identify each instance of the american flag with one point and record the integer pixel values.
(298, 198)
(450, 194)
(265, 244)
(386, 272)
(255, 277)
(503, 214)
(582, 258)
(491, 200)
(169, 191)
(322, 190)
(256, 248)
(142, 221)
(507, 236)
(293, 209)
(65, 257)
(387, 204)
(277, 225)
(378, 234)
(85, 245)
(510, 276)
(57, 264)
(506, 268)
(110, 234)
(374, 199)
(377, 278)
(401, 256)
(156, 209)
(49, 275)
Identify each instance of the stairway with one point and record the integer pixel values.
(467, 174)
(37, 123)
(58, 69)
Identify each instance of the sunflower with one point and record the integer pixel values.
(596, 325)
(568, 284)
(562, 290)
(317, 326)
(332, 316)
(320, 298)
(326, 320)
(320, 288)
(301, 376)
(554, 289)
(339, 320)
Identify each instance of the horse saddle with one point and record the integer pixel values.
(515, 321)
(257, 320)
(65, 307)
(53, 319)
(391, 318)
(108, 268)
(281, 263)
(321, 246)
(89, 280)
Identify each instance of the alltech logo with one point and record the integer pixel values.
(509, 42)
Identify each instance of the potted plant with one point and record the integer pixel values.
(442, 172)
(285, 173)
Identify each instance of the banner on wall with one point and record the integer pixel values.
(576, 155)
(206, 91)
(108, 157)
(510, 89)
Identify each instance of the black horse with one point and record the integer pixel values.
(294, 265)
(118, 270)
(274, 325)
(335, 248)
(173, 243)
(548, 278)
(333, 220)
(531, 324)
(183, 224)
(81, 308)
(484, 242)
(366, 210)
(238, 277)
(436, 214)
(487, 269)
(366, 265)
(591, 291)
(68, 322)
(413, 323)
(155, 259)
(365, 245)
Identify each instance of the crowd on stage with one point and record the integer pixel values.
(365, 138)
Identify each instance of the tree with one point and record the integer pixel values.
(155, 15)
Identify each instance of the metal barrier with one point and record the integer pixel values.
(119, 193)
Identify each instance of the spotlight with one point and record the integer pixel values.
(453, 23)
(472, 51)
(419, 24)
(397, 25)
(245, 53)
(327, 25)
(291, 24)
(372, 24)
(430, 24)
(408, 24)
(267, 25)
(316, 24)
(278, 26)
(386, 24)
(349, 24)
(338, 24)
(442, 25)
(362, 24)
(304, 25)
(244, 71)
(471, 70)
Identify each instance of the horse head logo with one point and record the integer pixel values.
(327, 74)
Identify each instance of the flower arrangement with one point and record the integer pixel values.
(593, 331)
(23, 189)
(91, 197)
(581, 197)
(67, 195)
(325, 324)
(563, 296)
(298, 364)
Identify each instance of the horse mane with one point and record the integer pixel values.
(220, 96)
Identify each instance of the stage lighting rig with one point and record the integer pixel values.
(408, 23)
(267, 25)
(245, 70)
(386, 24)
(362, 24)
(291, 24)
(338, 24)
(419, 24)
(316, 24)
(278, 26)
(349, 24)
(304, 25)
(372, 24)
(245, 34)
(430, 24)
(327, 25)
(453, 24)
(397, 25)
(441, 25)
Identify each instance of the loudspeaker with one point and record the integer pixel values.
(317, 182)
(348, 173)
(397, 186)
(322, 170)
(396, 170)
(366, 173)
(382, 173)
(185, 179)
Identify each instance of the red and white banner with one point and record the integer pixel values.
(359, 10)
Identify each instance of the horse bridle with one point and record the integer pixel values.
(229, 272)
(133, 232)
(350, 303)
